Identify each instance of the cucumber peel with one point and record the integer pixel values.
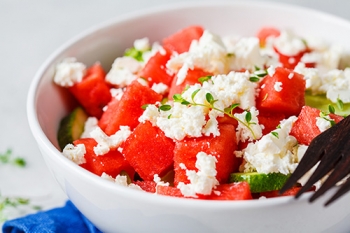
(260, 182)
(71, 127)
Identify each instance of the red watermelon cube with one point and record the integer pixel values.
(149, 151)
(222, 147)
(232, 191)
(155, 70)
(129, 108)
(305, 129)
(111, 163)
(191, 78)
(283, 92)
(93, 91)
(180, 41)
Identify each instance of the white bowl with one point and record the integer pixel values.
(118, 209)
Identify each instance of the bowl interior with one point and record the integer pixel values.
(47, 103)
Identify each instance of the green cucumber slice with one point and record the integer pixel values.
(260, 182)
(322, 103)
(71, 127)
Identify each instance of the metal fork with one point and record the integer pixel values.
(332, 149)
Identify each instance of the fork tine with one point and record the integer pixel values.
(312, 155)
(344, 188)
(340, 171)
(334, 148)
(321, 146)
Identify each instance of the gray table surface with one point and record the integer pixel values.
(29, 32)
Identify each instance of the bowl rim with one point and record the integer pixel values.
(41, 138)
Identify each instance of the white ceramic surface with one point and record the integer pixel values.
(118, 209)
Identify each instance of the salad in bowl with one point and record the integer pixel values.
(169, 126)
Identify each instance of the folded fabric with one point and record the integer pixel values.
(64, 219)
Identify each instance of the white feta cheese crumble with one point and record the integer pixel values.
(234, 87)
(69, 72)
(203, 181)
(120, 180)
(159, 182)
(124, 71)
(184, 121)
(278, 86)
(254, 131)
(336, 84)
(246, 54)
(90, 124)
(323, 123)
(271, 70)
(209, 53)
(160, 88)
(105, 142)
(289, 44)
(142, 44)
(117, 93)
(291, 75)
(75, 153)
(273, 152)
(311, 76)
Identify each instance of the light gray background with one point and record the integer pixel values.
(29, 32)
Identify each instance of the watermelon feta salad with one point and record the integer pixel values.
(204, 116)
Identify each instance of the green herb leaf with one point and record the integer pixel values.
(230, 108)
(185, 102)
(248, 117)
(144, 106)
(133, 52)
(204, 79)
(209, 97)
(254, 79)
(194, 94)
(340, 104)
(177, 98)
(331, 109)
(165, 107)
(275, 134)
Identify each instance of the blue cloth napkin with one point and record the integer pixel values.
(64, 219)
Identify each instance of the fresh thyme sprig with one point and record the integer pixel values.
(211, 101)
(258, 74)
(7, 158)
(325, 116)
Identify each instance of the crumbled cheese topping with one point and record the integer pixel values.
(117, 93)
(105, 142)
(323, 123)
(159, 182)
(90, 124)
(273, 152)
(160, 88)
(271, 70)
(182, 120)
(245, 53)
(75, 153)
(289, 44)
(254, 131)
(203, 181)
(209, 53)
(69, 72)
(121, 180)
(278, 86)
(124, 71)
(142, 44)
